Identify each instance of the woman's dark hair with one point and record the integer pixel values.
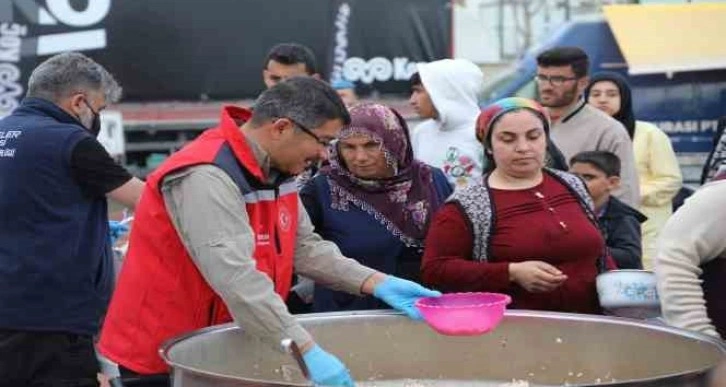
(625, 115)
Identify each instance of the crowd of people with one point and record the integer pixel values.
(312, 200)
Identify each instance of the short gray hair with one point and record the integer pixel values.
(305, 100)
(64, 74)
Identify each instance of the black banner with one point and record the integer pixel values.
(30, 31)
(214, 49)
(377, 43)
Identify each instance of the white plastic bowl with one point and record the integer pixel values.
(629, 293)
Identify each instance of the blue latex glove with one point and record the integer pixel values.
(401, 294)
(115, 230)
(326, 369)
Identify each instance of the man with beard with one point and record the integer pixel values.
(56, 268)
(562, 76)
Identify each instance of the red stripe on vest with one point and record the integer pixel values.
(161, 294)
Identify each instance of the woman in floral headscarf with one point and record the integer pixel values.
(374, 200)
(525, 230)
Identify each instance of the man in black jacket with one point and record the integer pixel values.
(619, 223)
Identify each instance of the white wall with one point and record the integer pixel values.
(477, 29)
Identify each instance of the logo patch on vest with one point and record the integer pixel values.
(263, 239)
(285, 218)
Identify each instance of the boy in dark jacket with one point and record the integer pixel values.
(619, 222)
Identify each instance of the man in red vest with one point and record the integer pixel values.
(220, 227)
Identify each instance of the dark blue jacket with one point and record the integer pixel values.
(620, 225)
(362, 237)
(55, 256)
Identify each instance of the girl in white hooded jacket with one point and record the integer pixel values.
(446, 93)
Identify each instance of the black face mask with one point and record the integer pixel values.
(96, 124)
(95, 128)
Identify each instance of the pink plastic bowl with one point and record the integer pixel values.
(463, 314)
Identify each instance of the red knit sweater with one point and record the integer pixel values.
(543, 223)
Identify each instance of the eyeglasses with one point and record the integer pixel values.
(311, 133)
(554, 80)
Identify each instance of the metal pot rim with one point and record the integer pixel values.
(720, 345)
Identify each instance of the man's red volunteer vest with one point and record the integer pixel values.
(160, 293)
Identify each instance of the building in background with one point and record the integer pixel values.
(678, 77)
(494, 33)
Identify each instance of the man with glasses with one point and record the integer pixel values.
(56, 267)
(562, 76)
(219, 229)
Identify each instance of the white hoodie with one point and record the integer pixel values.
(449, 141)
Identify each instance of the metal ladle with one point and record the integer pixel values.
(290, 346)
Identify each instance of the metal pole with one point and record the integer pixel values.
(567, 10)
(501, 30)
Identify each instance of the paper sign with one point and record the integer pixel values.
(112, 133)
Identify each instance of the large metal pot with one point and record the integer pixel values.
(539, 347)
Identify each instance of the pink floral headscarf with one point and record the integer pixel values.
(403, 203)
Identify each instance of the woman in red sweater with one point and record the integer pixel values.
(524, 230)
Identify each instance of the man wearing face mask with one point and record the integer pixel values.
(55, 256)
